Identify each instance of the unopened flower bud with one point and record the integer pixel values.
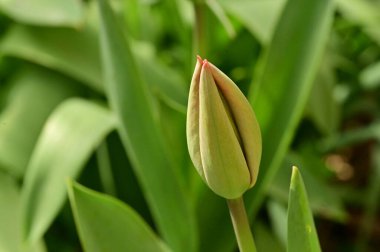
(223, 135)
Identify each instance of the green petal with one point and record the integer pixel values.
(244, 118)
(192, 122)
(223, 161)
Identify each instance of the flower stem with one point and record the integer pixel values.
(241, 225)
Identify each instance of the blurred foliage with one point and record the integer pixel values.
(100, 97)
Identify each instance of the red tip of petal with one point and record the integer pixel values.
(199, 59)
(205, 63)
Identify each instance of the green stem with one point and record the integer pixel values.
(105, 170)
(241, 225)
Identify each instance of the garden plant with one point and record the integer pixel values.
(189, 125)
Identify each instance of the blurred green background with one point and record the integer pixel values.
(311, 70)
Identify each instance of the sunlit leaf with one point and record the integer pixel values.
(10, 234)
(34, 93)
(106, 224)
(44, 12)
(69, 137)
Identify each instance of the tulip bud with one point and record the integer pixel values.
(223, 135)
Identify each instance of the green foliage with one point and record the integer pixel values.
(294, 55)
(302, 235)
(140, 134)
(59, 155)
(101, 87)
(106, 224)
(28, 85)
(10, 237)
(44, 12)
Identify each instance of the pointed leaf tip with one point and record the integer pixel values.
(295, 175)
(302, 234)
(97, 215)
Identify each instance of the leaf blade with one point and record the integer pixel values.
(44, 12)
(29, 85)
(141, 137)
(11, 236)
(98, 215)
(59, 155)
(295, 59)
(302, 235)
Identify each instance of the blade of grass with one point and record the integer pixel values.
(142, 138)
(69, 137)
(302, 235)
(98, 215)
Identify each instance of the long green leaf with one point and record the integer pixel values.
(106, 224)
(279, 99)
(65, 49)
(34, 93)
(259, 17)
(69, 137)
(10, 233)
(44, 12)
(60, 49)
(142, 138)
(294, 56)
(302, 235)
